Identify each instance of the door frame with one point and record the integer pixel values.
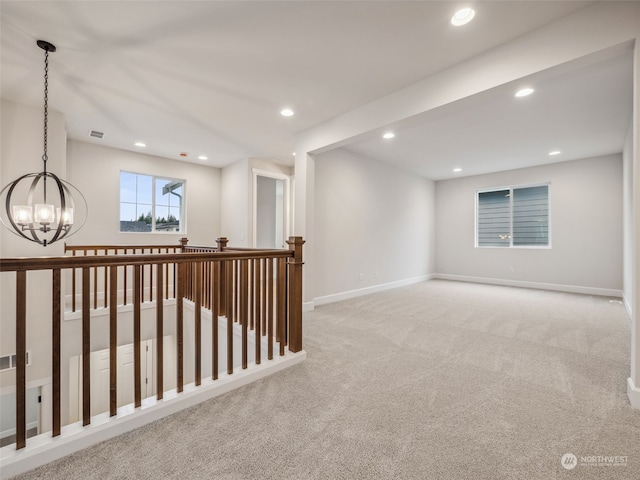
(286, 200)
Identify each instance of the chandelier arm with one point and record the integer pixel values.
(16, 229)
(56, 236)
(32, 189)
(74, 205)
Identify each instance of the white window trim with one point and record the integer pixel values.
(511, 188)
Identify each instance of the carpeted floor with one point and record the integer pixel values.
(439, 380)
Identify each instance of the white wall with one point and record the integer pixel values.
(235, 203)
(266, 212)
(95, 170)
(371, 219)
(586, 228)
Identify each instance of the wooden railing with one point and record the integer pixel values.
(99, 285)
(259, 290)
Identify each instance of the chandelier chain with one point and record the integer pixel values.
(46, 105)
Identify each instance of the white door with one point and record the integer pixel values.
(100, 381)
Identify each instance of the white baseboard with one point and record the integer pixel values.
(337, 297)
(605, 292)
(308, 306)
(633, 393)
(44, 448)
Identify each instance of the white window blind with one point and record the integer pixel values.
(494, 219)
(531, 215)
(513, 217)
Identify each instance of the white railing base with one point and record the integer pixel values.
(44, 448)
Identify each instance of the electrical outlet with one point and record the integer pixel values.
(511, 269)
(361, 276)
(375, 274)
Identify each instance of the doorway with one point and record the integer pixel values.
(271, 212)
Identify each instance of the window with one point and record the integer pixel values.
(151, 204)
(513, 217)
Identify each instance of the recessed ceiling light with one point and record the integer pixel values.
(294, 154)
(524, 92)
(457, 170)
(462, 16)
(140, 144)
(555, 152)
(286, 112)
(203, 157)
(389, 135)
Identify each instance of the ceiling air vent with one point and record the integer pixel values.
(96, 134)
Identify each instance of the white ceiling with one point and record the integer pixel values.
(210, 77)
(584, 112)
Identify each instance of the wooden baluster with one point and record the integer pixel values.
(244, 317)
(205, 285)
(229, 289)
(86, 346)
(21, 359)
(55, 350)
(281, 304)
(113, 339)
(251, 290)
(180, 324)
(124, 287)
(166, 278)
(106, 252)
(95, 283)
(141, 278)
(215, 306)
(159, 333)
(175, 280)
(263, 314)
(270, 308)
(236, 296)
(295, 294)
(73, 286)
(158, 287)
(198, 321)
(137, 365)
(256, 308)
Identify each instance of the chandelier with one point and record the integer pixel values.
(40, 207)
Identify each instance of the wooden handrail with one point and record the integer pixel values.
(259, 290)
(76, 248)
(49, 263)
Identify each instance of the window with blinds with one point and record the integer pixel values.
(513, 217)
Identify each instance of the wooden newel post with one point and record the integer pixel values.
(295, 294)
(222, 243)
(222, 303)
(183, 243)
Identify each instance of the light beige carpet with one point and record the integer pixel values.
(439, 380)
